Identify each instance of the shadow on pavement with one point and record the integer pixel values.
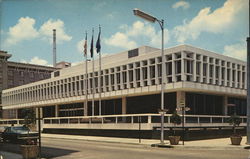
(47, 152)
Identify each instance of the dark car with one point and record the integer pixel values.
(19, 134)
(2, 128)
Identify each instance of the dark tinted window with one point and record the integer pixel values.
(132, 53)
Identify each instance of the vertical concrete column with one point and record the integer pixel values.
(173, 68)
(71, 89)
(110, 86)
(56, 90)
(134, 75)
(194, 68)
(115, 78)
(128, 85)
(104, 82)
(77, 91)
(156, 72)
(44, 91)
(236, 77)
(201, 70)
(208, 71)
(47, 91)
(56, 111)
(148, 73)
(80, 86)
(52, 89)
(60, 89)
(231, 75)
(240, 77)
(67, 88)
(183, 68)
(124, 105)
(37, 96)
(225, 74)
(16, 113)
(225, 105)
(63, 91)
(214, 71)
(88, 83)
(220, 74)
(121, 78)
(180, 98)
(141, 74)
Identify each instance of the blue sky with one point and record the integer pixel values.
(26, 26)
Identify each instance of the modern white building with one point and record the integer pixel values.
(131, 83)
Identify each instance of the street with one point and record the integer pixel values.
(66, 149)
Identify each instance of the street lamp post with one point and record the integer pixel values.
(152, 19)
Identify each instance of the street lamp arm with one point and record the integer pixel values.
(161, 22)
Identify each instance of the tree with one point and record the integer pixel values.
(29, 117)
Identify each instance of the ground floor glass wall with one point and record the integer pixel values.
(150, 103)
(204, 104)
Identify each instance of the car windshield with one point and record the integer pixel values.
(20, 129)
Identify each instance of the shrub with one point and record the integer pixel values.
(175, 119)
(235, 121)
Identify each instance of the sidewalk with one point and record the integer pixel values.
(223, 143)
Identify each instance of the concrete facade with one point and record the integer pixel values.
(136, 73)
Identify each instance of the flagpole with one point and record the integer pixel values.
(93, 77)
(99, 82)
(86, 88)
(86, 80)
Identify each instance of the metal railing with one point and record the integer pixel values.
(134, 118)
(130, 119)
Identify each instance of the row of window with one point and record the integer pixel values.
(134, 75)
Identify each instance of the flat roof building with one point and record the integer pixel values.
(131, 83)
(14, 74)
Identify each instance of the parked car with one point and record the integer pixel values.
(2, 128)
(19, 134)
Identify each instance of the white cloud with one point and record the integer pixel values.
(181, 4)
(37, 61)
(47, 33)
(125, 39)
(120, 40)
(208, 21)
(23, 30)
(80, 45)
(238, 50)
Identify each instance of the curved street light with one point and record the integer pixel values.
(152, 19)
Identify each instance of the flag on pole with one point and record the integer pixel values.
(98, 42)
(85, 46)
(91, 45)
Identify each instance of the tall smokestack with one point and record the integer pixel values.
(54, 47)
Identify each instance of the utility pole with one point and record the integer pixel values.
(54, 47)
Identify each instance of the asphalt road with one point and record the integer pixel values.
(72, 149)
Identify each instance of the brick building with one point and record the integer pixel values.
(14, 74)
